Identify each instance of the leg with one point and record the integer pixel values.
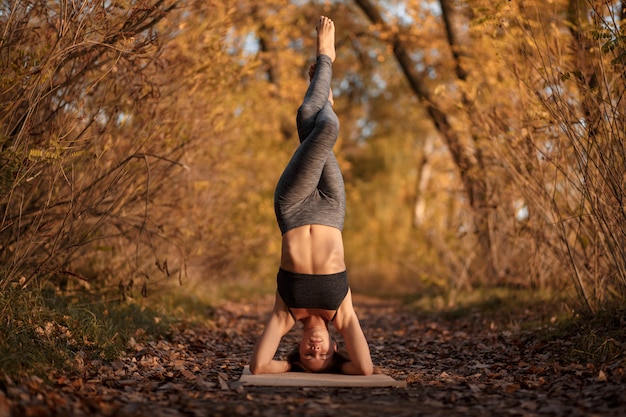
(319, 92)
(313, 171)
(331, 181)
(303, 173)
(316, 97)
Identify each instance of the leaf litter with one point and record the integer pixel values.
(465, 366)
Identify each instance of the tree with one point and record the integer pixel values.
(498, 67)
(572, 175)
(464, 151)
(91, 141)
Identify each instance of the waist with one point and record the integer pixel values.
(313, 249)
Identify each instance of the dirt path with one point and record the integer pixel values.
(468, 366)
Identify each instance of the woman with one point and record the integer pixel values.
(312, 283)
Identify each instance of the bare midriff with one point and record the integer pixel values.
(313, 249)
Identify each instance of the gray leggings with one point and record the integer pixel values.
(311, 189)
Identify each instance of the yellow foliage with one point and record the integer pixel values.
(39, 155)
(185, 127)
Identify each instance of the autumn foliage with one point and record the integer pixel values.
(482, 143)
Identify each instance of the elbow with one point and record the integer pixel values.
(255, 368)
(366, 367)
(351, 368)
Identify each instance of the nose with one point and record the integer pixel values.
(315, 347)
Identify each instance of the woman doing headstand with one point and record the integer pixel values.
(312, 282)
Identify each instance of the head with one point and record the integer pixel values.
(317, 352)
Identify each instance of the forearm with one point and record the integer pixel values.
(356, 344)
(278, 325)
(360, 358)
(272, 367)
(352, 368)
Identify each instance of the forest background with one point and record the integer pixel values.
(482, 145)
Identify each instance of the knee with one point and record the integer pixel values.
(328, 123)
(306, 111)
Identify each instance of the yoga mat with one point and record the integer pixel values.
(303, 379)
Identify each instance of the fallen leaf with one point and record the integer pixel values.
(5, 407)
(511, 388)
(222, 382)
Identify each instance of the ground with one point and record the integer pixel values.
(469, 365)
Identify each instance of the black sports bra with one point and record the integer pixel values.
(325, 292)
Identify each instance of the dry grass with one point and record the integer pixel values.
(42, 329)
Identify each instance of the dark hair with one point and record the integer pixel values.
(339, 358)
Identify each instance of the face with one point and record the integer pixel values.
(316, 349)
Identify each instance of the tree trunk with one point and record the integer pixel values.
(474, 185)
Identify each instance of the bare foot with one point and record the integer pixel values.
(326, 37)
(312, 71)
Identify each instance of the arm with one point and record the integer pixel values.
(347, 323)
(279, 323)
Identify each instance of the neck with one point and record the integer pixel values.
(314, 321)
